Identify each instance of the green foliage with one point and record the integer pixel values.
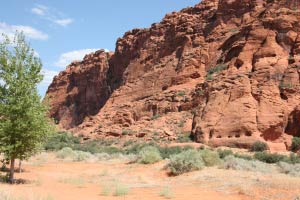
(126, 132)
(217, 69)
(66, 152)
(295, 144)
(186, 161)
(243, 156)
(270, 158)
(210, 158)
(24, 125)
(283, 85)
(184, 137)
(259, 146)
(224, 153)
(61, 140)
(149, 155)
(181, 93)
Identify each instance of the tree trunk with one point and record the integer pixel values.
(20, 165)
(12, 170)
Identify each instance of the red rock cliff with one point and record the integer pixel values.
(227, 70)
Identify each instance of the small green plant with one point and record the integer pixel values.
(208, 77)
(233, 30)
(243, 156)
(210, 158)
(259, 146)
(295, 144)
(166, 193)
(155, 117)
(186, 161)
(283, 85)
(121, 190)
(181, 123)
(181, 93)
(149, 155)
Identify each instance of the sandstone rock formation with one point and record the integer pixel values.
(225, 70)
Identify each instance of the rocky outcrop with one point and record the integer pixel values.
(226, 70)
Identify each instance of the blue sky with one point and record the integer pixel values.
(64, 30)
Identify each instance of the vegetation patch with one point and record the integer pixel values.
(149, 155)
(295, 144)
(210, 158)
(184, 162)
(259, 146)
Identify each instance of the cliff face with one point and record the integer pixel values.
(227, 71)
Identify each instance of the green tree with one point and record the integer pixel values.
(24, 125)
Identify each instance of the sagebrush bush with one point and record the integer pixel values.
(270, 157)
(259, 146)
(64, 153)
(186, 161)
(231, 162)
(224, 153)
(121, 190)
(149, 155)
(290, 169)
(210, 158)
(81, 156)
(60, 140)
(295, 144)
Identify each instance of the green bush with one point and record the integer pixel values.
(186, 161)
(149, 155)
(259, 146)
(231, 162)
(224, 153)
(121, 190)
(61, 140)
(243, 156)
(66, 152)
(270, 158)
(210, 158)
(295, 144)
(294, 158)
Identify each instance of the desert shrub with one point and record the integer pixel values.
(135, 149)
(149, 155)
(224, 153)
(184, 138)
(295, 144)
(294, 158)
(243, 156)
(60, 140)
(181, 93)
(291, 169)
(81, 156)
(270, 157)
(186, 161)
(218, 68)
(231, 162)
(210, 158)
(166, 193)
(259, 146)
(121, 190)
(167, 152)
(64, 153)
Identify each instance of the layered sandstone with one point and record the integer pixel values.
(225, 70)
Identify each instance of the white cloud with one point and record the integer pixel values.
(63, 22)
(28, 31)
(48, 76)
(39, 10)
(51, 15)
(68, 57)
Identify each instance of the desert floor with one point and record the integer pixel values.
(52, 179)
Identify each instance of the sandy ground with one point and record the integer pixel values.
(53, 179)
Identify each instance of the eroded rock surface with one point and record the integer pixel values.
(228, 71)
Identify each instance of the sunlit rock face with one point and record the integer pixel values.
(227, 71)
